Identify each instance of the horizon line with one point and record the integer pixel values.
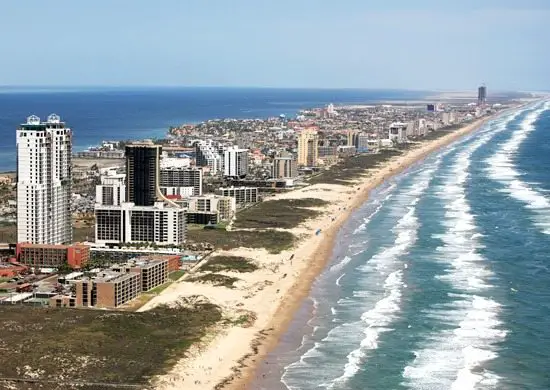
(171, 86)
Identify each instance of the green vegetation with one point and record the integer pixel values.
(64, 269)
(214, 279)
(272, 240)
(75, 345)
(441, 132)
(8, 232)
(282, 213)
(176, 275)
(245, 319)
(83, 233)
(157, 290)
(350, 169)
(229, 263)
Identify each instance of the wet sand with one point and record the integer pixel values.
(231, 356)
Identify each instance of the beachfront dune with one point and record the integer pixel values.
(273, 253)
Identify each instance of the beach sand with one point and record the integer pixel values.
(227, 359)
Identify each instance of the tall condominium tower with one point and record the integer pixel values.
(308, 148)
(482, 95)
(142, 173)
(235, 162)
(44, 151)
(144, 214)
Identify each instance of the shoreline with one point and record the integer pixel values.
(229, 359)
(323, 254)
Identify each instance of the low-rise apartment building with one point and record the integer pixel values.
(153, 273)
(242, 195)
(109, 289)
(224, 206)
(46, 255)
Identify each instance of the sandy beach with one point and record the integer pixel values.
(272, 294)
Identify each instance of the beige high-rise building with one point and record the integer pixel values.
(350, 134)
(308, 141)
(284, 167)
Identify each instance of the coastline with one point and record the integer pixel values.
(229, 359)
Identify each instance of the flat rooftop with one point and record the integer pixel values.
(111, 277)
(141, 263)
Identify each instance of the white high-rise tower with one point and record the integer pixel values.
(235, 162)
(44, 152)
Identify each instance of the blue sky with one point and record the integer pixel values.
(411, 44)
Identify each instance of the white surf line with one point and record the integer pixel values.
(503, 170)
(451, 356)
(295, 373)
(380, 204)
(387, 262)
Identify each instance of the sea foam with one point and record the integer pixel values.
(379, 317)
(450, 358)
(501, 168)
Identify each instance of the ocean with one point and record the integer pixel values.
(97, 114)
(441, 280)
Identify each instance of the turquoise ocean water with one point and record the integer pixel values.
(441, 280)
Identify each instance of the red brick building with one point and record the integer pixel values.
(43, 255)
(9, 270)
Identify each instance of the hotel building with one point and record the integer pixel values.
(145, 215)
(235, 162)
(182, 177)
(48, 255)
(109, 289)
(308, 148)
(44, 152)
(128, 223)
(112, 190)
(143, 173)
(398, 132)
(224, 206)
(284, 167)
(153, 273)
(208, 156)
(242, 195)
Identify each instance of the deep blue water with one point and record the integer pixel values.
(120, 114)
(441, 280)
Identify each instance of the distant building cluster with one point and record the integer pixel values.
(203, 175)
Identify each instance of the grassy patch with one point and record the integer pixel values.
(176, 275)
(157, 290)
(8, 232)
(214, 279)
(350, 169)
(272, 240)
(83, 233)
(243, 319)
(282, 213)
(97, 346)
(229, 263)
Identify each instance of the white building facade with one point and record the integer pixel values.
(128, 223)
(112, 190)
(207, 156)
(44, 180)
(398, 132)
(235, 162)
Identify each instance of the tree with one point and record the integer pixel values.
(64, 269)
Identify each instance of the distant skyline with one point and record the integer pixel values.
(399, 44)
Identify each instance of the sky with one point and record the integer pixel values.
(402, 44)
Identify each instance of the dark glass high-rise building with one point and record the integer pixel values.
(482, 95)
(142, 173)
